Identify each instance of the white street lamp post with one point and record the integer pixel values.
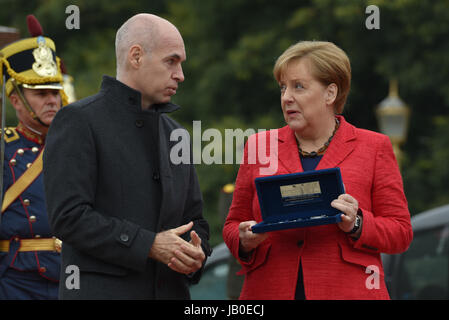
(393, 116)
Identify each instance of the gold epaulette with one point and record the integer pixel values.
(10, 134)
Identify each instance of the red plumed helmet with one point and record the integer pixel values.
(34, 27)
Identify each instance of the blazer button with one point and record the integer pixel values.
(300, 243)
(132, 100)
(139, 123)
(124, 237)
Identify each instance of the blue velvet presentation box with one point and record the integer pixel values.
(298, 200)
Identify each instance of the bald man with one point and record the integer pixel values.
(130, 220)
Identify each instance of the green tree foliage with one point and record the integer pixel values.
(427, 173)
(231, 49)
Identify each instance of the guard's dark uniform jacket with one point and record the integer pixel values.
(26, 217)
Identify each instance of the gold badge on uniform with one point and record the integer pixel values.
(44, 65)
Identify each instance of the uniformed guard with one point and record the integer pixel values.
(29, 254)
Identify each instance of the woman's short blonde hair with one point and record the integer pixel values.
(329, 64)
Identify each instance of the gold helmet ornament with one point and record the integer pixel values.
(69, 87)
(31, 63)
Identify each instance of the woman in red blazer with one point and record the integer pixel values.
(337, 261)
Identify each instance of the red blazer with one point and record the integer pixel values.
(334, 265)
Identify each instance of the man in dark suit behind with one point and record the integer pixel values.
(122, 209)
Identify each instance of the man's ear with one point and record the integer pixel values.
(15, 101)
(331, 93)
(135, 54)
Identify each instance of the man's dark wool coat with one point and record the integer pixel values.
(110, 187)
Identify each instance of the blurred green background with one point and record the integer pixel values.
(231, 49)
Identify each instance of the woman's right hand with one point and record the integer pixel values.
(249, 240)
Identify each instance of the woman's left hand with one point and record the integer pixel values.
(349, 206)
